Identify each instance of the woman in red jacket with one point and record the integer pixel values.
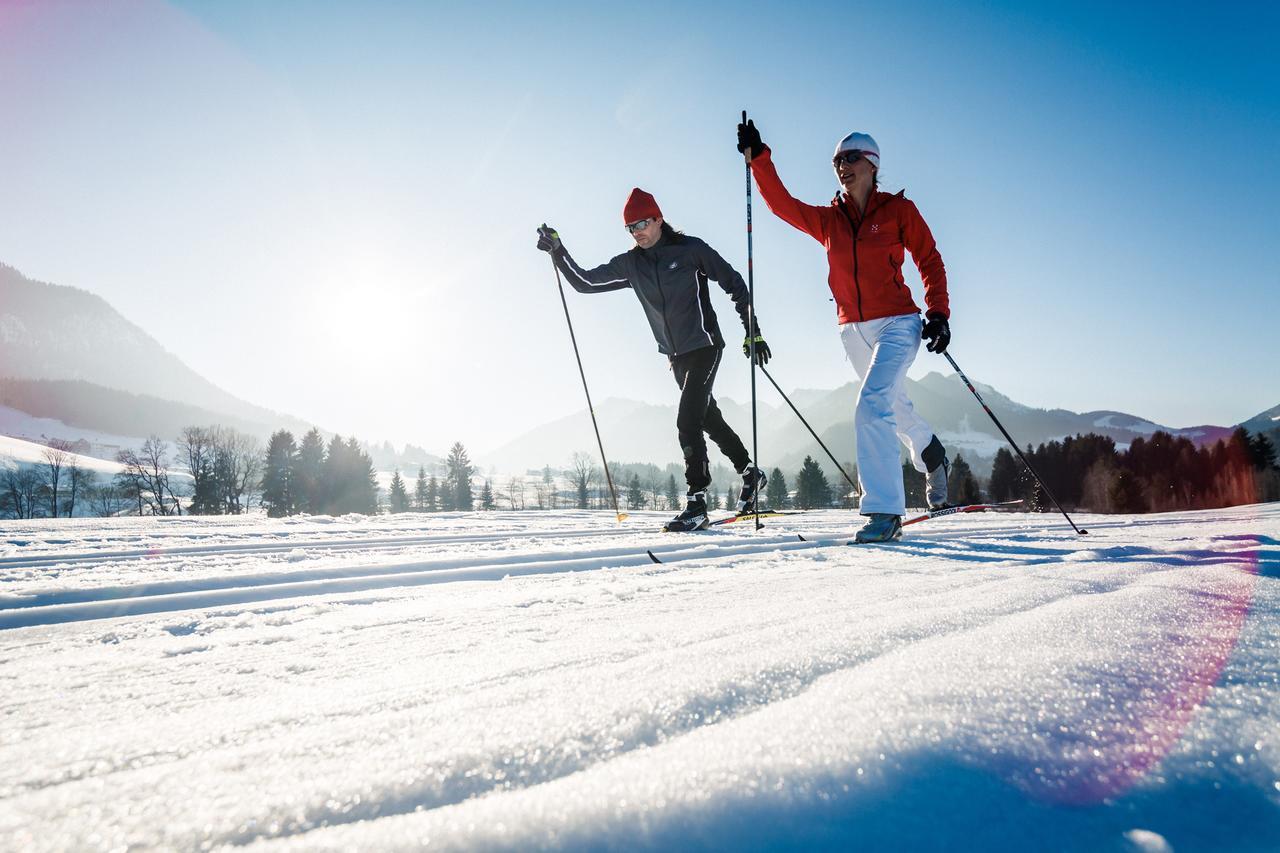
(865, 232)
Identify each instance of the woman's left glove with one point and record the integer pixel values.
(937, 331)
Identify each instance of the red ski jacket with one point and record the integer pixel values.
(867, 281)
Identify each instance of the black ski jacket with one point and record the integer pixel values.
(670, 280)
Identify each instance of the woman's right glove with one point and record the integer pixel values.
(749, 139)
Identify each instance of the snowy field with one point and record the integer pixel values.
(534, 680)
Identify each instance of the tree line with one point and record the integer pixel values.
(221, 471)
(1162, 473)
(217, 470)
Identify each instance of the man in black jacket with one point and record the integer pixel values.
(669, 271)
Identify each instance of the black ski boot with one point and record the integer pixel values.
(693, 518)
(935, 481)
(753, 481)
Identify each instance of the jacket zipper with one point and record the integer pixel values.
(857, 286)
(666, 326)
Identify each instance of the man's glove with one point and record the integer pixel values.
(548, 239)
(749, 139)
(937, 331)
(762, 349)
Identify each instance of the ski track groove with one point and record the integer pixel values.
(55, 607)
(247, 548)
(730, 701)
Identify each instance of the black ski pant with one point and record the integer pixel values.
(698, 413)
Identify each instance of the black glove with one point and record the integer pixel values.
(937, 331)
(762, 349)
(749, 139)
(548, 239)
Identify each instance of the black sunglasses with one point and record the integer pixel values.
(847, 157)
(633, 227)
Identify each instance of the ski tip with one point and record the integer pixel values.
(1084, 532)
(622, 516)
(651, 557)
(801, 538)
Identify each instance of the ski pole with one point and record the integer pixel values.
(604, 459)
(1013, 443)
(811, 431)
(751, 326)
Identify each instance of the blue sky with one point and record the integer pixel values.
(346, 193)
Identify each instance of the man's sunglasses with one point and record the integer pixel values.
(846, 157)
(633, 227)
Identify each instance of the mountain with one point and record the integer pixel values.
(67, 355)
(1267, 421)
(50, 332)
(644, 432)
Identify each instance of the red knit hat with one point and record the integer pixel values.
(640, 205)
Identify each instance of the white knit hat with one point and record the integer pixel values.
(863, 144)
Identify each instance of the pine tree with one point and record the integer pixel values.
(713, 499)
(673, 496)
(308, 472)
(486, 496)
(962, 486)
(364, 480)
(277, 475)
(635, 495)
(399, 496)
(1005, 477)
(333, 478)
(775, 491)
(432, 503)
(730, 498)
(420, 495)
(913, 485)
(459, 479)
(812, 488)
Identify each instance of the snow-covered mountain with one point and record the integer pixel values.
(644, 432)
(87, 349)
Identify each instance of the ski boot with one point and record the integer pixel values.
(880, 527)
(693, 518)
(935, 481)
(753, 480)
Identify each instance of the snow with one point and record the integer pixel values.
(26, 453)
(1130, 423)
(103, 445)
(532, 680)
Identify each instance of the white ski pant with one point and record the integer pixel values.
(880, 352)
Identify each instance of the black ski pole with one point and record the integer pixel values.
(1013, 443)
(590, 408)
(751, 327)
(811, 431)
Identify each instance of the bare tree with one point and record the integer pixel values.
(108, 499)
(197, 452)
(79, 482)
(581, 475)
(238, 462)
(56, 457)
(515, 492)
(21, 489)
(146, 477)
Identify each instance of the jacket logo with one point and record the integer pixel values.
(674, 264)
(875, 227)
